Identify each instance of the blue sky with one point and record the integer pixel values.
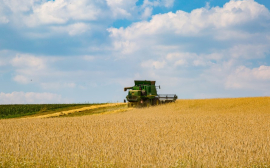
(76, 51)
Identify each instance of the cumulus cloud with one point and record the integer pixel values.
(34, 13)
(147, 12)
(28, 61)
(205, 52)
(198, 30)
(122, 8)
(153, 64)
(243, 77)
(193, 24)
(166, 3)
(249, 51)
(62, 11)
(21, 79)
(128, 9)
(2, 62)
(3, 19)
(45, 19)
(30, 98)
(73, 29)
(50, 17)
(57, 85)
(46, 73)
(16, 6)
(29, 68)
(88, 58)
(187, 59)
(205, 46)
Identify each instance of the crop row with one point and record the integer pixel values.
(11, 111)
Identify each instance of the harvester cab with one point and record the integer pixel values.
(144, 93)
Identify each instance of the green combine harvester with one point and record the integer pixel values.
(144, 94)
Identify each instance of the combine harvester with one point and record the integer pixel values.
(144, 94)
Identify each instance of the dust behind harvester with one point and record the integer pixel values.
(144, 93)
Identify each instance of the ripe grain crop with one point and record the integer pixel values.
(78, 110)
(188, 133)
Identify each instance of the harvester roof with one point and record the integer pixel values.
(144, 82)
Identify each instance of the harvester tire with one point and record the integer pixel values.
(156, 101)
(147, 103)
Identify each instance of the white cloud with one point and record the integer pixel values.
(2, 62)
(125, 47)
(18, 6)
(88, 58)
(153, 64)
(44, 19)
(30, 98)
(34, 12)
(166, 3)
(181, 56)
(193, 24)
(31, 68)
(22, 79)
(46, 73)
(58, 85)
(5, 58)
(262, 73)
(180, 62)
(122, 8)
(204, 52)
(189, 59)
(3, 19)
(14, 11)
(201, 50)
(201, 37)
(73, 29)
(28, 61)
(62, 11)
(47, 18)
(249, 51)
(245, 78)
(147, 13)
(128, 9)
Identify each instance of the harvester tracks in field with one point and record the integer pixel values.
(93, 107)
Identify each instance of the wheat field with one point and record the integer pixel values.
(188, 133)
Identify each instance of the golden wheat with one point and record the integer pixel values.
(188, 133)
(57, 114)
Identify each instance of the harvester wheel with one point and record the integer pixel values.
(156, 101)
(147, 103)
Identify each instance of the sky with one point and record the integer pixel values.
(77, 51)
